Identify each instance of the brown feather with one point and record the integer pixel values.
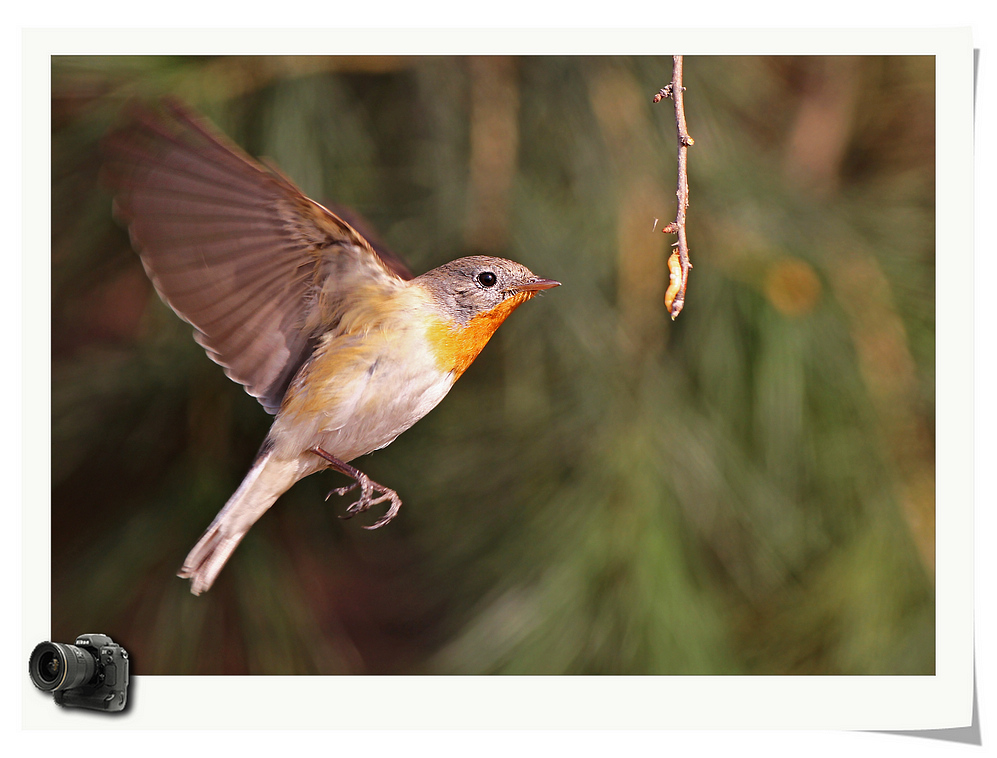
(233, 247)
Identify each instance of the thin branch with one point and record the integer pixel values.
(678, 262)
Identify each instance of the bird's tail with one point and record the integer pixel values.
(268, 479)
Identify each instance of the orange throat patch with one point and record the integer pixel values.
(457, 346)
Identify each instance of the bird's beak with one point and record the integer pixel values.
(535, 285)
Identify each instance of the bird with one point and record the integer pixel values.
(329, 331)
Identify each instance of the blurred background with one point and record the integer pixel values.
(746, 490)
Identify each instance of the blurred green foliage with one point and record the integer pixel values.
(747, 490)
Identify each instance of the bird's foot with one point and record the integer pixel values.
(371, 493)
(368, 490)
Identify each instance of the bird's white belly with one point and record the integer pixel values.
(385, 407)
(363, 405)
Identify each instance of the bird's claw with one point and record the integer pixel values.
(367, 499)
(367, 490)
(342, 491)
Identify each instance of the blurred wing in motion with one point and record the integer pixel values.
(232, 246)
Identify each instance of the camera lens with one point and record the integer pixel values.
(54, 666)
(48, 667)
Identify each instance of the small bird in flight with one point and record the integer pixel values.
(331, 334)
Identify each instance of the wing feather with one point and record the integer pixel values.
(234, 247)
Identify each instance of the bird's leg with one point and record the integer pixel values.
(367, 490)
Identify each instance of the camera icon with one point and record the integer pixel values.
(91, 673)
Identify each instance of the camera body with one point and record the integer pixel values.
(90, 673)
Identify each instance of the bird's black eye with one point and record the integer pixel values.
(486, 279)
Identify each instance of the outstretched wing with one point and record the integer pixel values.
(233, 247)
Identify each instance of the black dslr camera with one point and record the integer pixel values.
(92, 673)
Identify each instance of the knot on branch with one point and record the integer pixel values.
(664, 92)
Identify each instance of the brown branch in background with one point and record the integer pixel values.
(627, 128)
(678, 262)
(494, 150)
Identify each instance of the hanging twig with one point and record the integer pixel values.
(678, 262)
